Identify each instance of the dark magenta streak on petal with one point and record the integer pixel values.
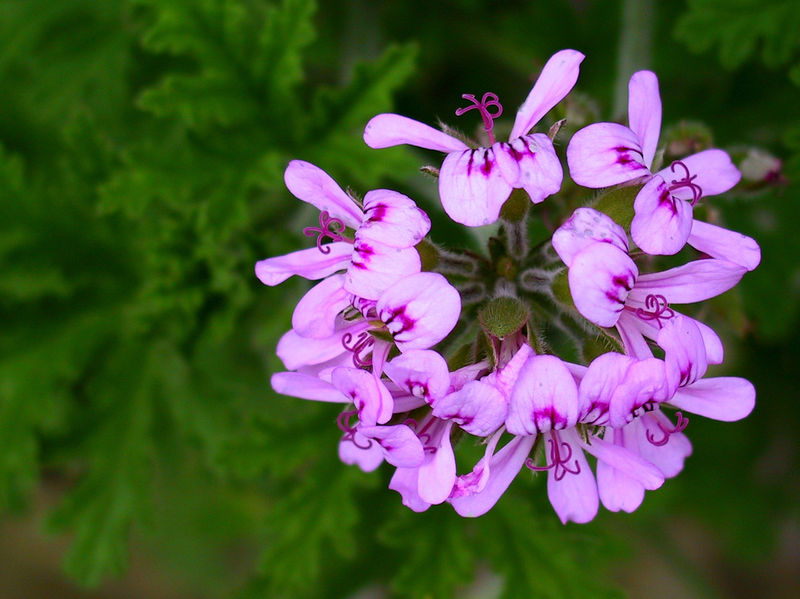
(471, 160)
(614, 298)
(487, 164)
(623, 281)
(666, 199)
(376, 213)
(406, 322)
(623, 157)
(515, 154)
(556, 420)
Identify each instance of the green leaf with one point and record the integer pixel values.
(339, 116)
(434, 548)
(536, 555)
(316, 513)
(740, 27)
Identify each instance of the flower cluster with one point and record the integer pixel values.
(428, 349)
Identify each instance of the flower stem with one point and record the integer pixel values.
(634, 52)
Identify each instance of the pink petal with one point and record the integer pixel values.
(507, 376)
(315, 314)
(661, 223)
(478, 408)
(400, 445)
(555, 81)
(722, 398)
(530, 162)
(544, 398)
(419, 310)
(574, 497)
(684, 351)
(644, 112)
(420, 372)
(376, 267)
(472, 188)
(724, 244)
(313, 185)
(617, 490)
(692, 282)
(605, 374)
(503, 468)
(370, 396)
(392, 219)
(645, 382)
(626, 461)
(600, 279)
(296, 351)
(361, 451)
(584, 227)
(438, 474)
(669, 457)
(605, 154)
(715, 173)
(309, 264)
(305, 386)
(629, 328)
(406, 482)
(386, 130)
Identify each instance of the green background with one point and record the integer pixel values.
(142, 146)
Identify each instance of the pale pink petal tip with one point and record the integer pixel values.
(386, 130)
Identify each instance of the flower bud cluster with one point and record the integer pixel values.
(426, 348)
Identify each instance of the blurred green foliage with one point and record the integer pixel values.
(142, 146)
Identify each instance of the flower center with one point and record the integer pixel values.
(489, 100)
(328, 227)
(686, 181)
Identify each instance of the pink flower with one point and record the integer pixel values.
(608, 289)
(606, 154)
(474, 183)
(381, 250)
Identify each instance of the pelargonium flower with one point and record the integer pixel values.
(606, 154)
(608, 290)
(381, 250)
(474, 183)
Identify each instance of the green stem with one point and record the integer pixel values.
(634, 48)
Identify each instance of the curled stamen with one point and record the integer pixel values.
(656, 308)
(686, 181)
(680, 425)
(489, 100)
(343, 422)
(558, 463)
(328, 227)
(363, 342)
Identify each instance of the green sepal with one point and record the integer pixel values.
(503, 316)
(560, 287)
(516, 207)
(618, 204)
(428, 254)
